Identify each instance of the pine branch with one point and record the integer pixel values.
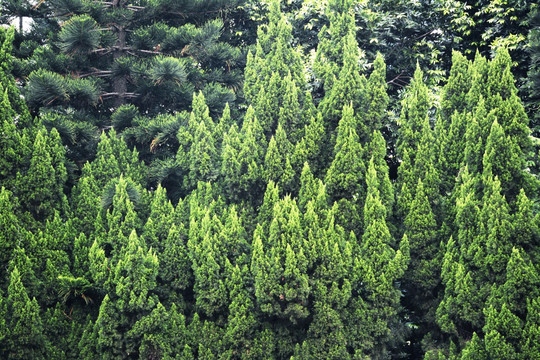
(123, 95)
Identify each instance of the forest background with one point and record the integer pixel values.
(239, 179)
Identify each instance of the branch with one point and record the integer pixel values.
(99, 73)
(122, 95)
(150, 51)
(397, 79)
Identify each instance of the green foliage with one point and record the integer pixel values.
(25, 337)
(161, 206)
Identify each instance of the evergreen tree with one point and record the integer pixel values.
(9, 230)
(133, 279)
(344, 179)
(274, 79)
(534, 67)
(242, 323)
(41, 189)
(25, 338)
(348, 89)
(423, 274)
(279, 265)
(380, 266)
(454, 96)
(311, 147)
(377, 97)
(332, 42)
(276, 162)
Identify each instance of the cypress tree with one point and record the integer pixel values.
(454, 95)
(9, 230)
(277, 165)
(273, 72)
(377, 99)
(413, 114)
(531, 333)
(133, 278)
(380, 266)
(25, 338)
(344, 177)
(279, 265)
(329, 58)
(162, 333)
(348, 89)
(41, 189)
(422, 277)
(311, 147)
(241, 325)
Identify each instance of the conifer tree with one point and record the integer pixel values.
(121, 220)
(377, 98)
(377, 151)
(329, 58)
(422, 276)
(531, 334)
(133, 278)
(9, 230)
(251, 156)
(380, 266)
(275, 73)
(414, 111)
(25, 338)
(348, 89)
(277, 165)
(454, 96)
(344, 179)
(163, 333)
(14, 144)
(416, 147)
(121, 54)
(242, 323)
(311, 147)
(230, 163)
(41, 189)
(279, 265)
(21, 115)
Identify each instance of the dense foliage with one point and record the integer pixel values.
(265, 180)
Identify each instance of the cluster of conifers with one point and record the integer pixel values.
(286, 236)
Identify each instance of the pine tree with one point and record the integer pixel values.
(109, 58)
